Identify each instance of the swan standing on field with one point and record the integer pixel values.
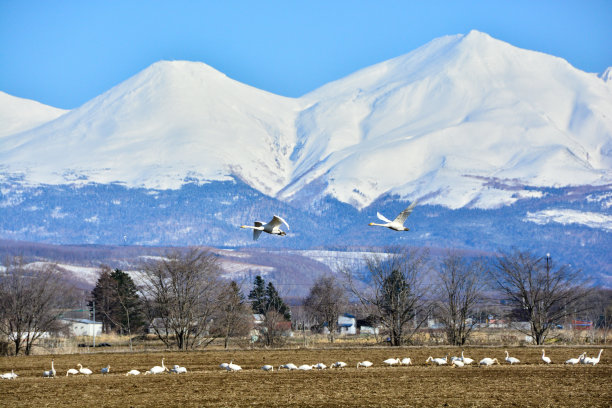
(157, 369)
(273, 227)
(457, 363)
(9, 376)
(267, 367)
(51, 372)
(178, 369)
(305, 367)
(595, 360)
(339, 364)
(105, 370)
(466, 360)
(574, 361)
(391, 361)
(365, 364)
(544, 358)
(288, 366)
(438, 361)
(223, 366)
(320, 366)
(72, 371)
(233, 367)
(398, 223)
(132, 372)
(488, 361)
(511, 360)
(85, 371)
(406, 361)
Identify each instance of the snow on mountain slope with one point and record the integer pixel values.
(18, 114)
(465, 120)
(446, 119)
(172, 122)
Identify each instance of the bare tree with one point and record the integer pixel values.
(538, 293)
(325, 302)
(394, 291)
(233, 316)
(459, 291)
(30, 303)
(180, 293)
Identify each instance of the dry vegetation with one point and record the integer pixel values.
(528, 384)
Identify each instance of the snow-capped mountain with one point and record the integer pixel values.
(465, 120)
(18, 114)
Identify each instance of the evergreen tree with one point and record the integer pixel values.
(129, 307)
(265, 298)
(275, 302)
(117, 302)
(102, 299)
(257, 296)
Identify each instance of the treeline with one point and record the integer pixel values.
(183, 299)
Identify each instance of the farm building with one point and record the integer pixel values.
(83, 327)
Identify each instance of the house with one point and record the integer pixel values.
(84, 327)
(347, 324)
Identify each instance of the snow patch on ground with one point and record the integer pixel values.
(589, 219)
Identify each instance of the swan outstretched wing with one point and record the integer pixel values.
(256, 234)
(277, 221)
(401, 218)
(382, 217)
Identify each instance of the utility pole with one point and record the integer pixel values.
(94, 325)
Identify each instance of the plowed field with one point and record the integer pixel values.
(530, 383)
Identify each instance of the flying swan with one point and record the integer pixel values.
(398, 223)
(273, 227)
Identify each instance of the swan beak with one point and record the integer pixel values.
(371, 224)
(243, 226)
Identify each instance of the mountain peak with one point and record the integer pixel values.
(445, 121)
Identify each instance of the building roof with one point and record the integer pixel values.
(83, 321)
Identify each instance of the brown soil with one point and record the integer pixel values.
(528, 384)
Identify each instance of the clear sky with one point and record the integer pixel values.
(63, 53)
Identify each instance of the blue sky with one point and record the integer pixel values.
(63, 53)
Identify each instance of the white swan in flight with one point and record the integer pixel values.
(273, 227)
(398, 223)
(511, 360)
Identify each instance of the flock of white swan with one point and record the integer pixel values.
(455, 361)
(273, 226)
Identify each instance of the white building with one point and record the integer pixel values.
(84, 327)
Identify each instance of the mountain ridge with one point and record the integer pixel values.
(440, 123)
